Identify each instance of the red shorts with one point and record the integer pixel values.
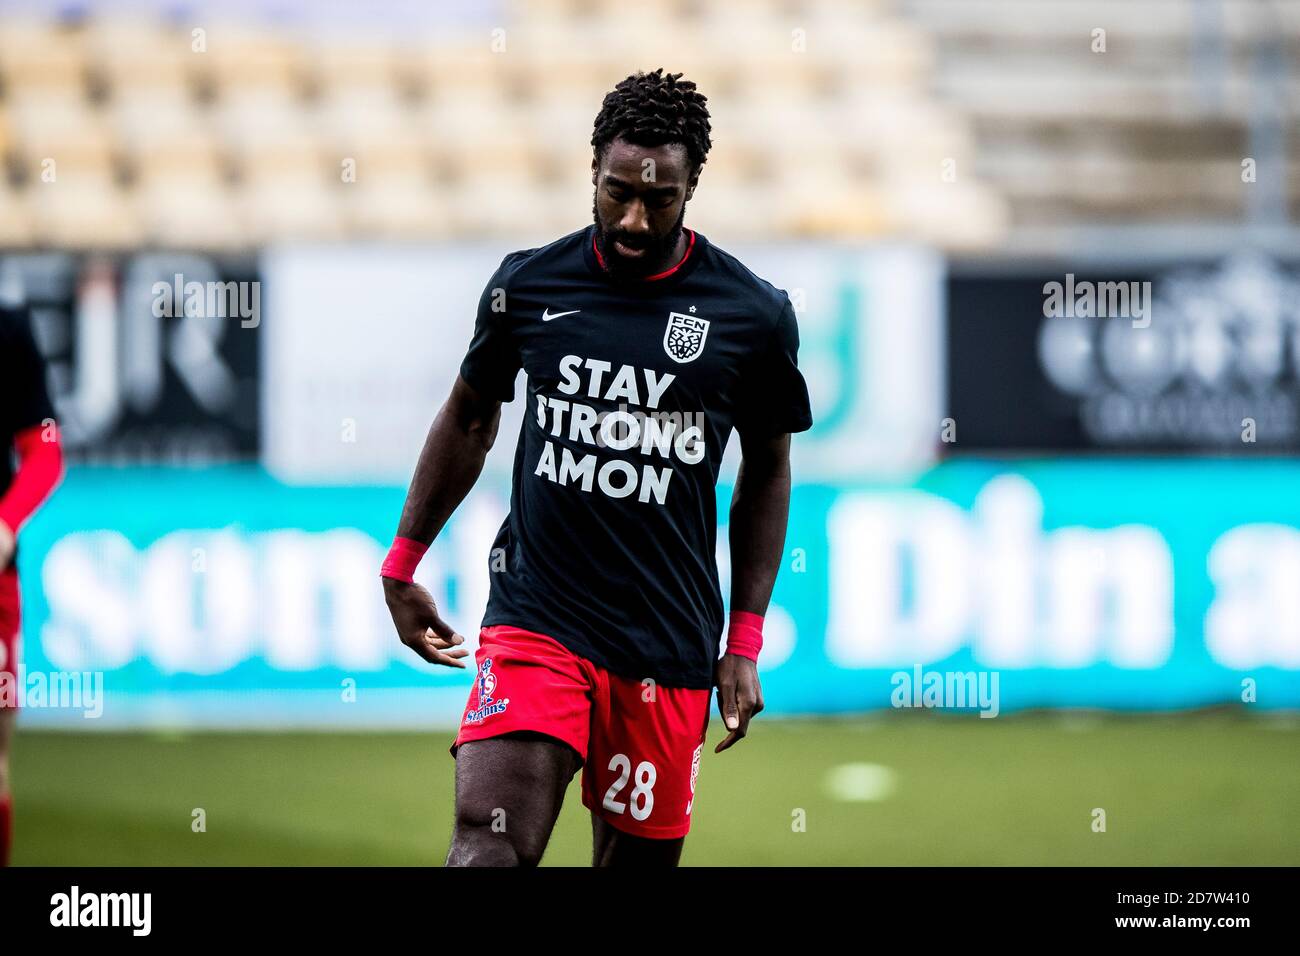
(640, 743)
(9, 617)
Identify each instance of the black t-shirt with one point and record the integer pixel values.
(633, 390)
(24, 400)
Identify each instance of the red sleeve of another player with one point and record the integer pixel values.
(40, 467)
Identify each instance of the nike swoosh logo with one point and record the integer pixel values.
(547, 316)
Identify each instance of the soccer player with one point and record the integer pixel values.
(644, 346)
(28, 432)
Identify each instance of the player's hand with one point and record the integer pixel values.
(7, 545)
(739, 696)
(420, 626)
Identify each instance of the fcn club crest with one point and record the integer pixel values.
(684, 337)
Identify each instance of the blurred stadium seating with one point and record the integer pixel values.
(1156, 132)
(238, 134)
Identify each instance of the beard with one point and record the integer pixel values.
(658, 249)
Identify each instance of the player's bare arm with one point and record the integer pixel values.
(760, 505)
(459, 439)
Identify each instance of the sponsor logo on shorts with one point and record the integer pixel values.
(487, 685)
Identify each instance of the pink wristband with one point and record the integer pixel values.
(745, 634)
(403, 557)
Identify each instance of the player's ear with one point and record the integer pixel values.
(595, 170)
(692, 183)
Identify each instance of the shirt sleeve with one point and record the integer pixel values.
(492, 362)
(22, 381)
(774, 395)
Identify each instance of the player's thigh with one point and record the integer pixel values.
(511, 788)
(522, 738)
(612, 847)
(643, 760)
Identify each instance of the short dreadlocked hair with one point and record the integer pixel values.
(654, 109)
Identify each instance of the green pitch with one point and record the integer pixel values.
(915, 788)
